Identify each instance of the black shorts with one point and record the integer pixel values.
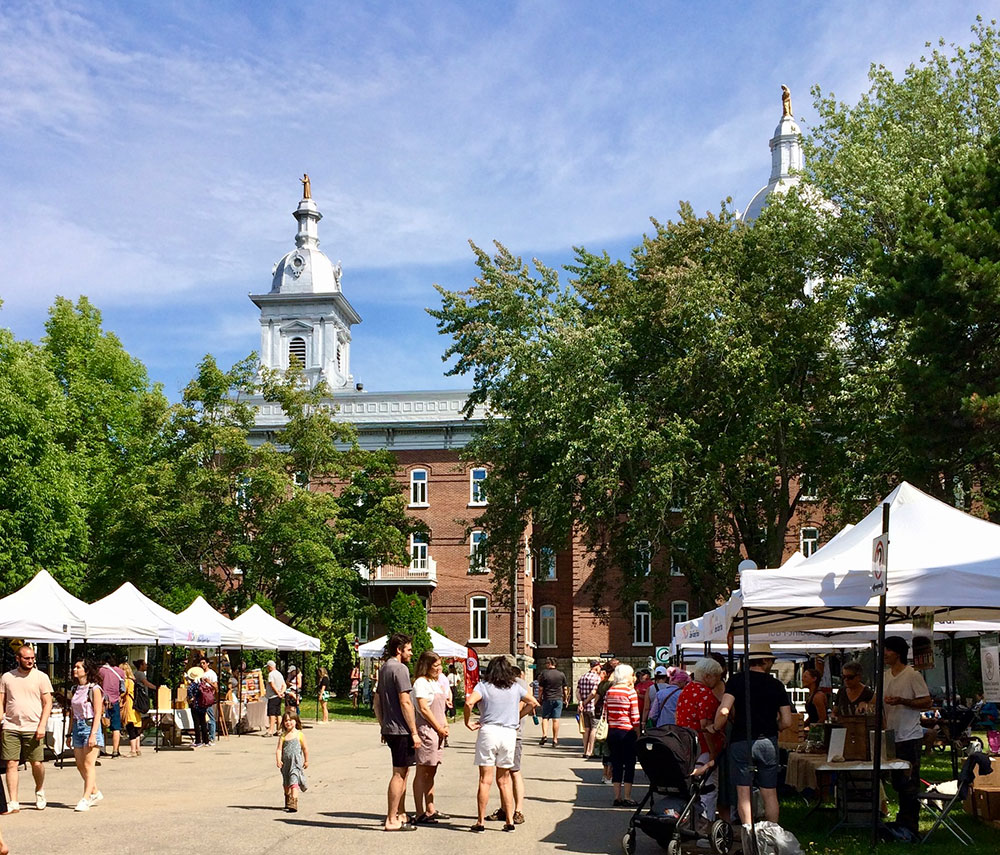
(401, 747)
(274, 706)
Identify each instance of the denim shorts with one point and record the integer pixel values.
(114, 714)
(552, 709)
(765, 757)
(81, 733)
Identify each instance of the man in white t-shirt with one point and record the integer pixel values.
(213, 679)
(275, 691)
(905, 695)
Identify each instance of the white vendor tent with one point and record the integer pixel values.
(258, 623)
(129, 602)
(43, 611)
(443, 647)
(203, 618)
(939, 558)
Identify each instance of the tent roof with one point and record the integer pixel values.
(939, 558)
(204, 619)
(443, 647)
(257, 622)
(128, 603)
(44, 611)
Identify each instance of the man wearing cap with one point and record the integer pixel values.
(555, 694)
(275, 692)
(586, 687)
(905, 695)
(660, 679)
(770, 710)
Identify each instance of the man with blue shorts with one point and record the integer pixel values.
(554, 692)
(770, 710)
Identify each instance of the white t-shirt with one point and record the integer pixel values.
(211, 676)
(426, 689)
(907, 684)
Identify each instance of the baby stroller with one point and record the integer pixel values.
(667, 755)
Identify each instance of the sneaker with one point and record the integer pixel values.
(96, 797)
(605, 780)
(40, 802)
(13, 807)
(83, 804)
(498, 816)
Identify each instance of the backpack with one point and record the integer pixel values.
(140, 703)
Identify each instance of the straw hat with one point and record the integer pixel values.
(760, 651)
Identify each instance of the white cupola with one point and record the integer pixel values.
(787, 160)
(305, 316)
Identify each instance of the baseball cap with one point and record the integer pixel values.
(660, 671)
(594, 663)
(270, 663)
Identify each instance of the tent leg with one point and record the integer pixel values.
(159, 682)
(754, 849)
(239, 709)
(879, 704)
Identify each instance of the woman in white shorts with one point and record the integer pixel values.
(501, 700)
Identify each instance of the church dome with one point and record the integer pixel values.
(787, 160)
(306, 269)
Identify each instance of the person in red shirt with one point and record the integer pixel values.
(643, 682)
(696, 708)
(621, 706)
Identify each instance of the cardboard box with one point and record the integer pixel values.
(987, 805)
(991, 781)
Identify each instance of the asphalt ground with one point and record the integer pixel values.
(228, 799)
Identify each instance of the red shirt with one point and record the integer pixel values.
(698, 702)
(621, 705)
(642, 688)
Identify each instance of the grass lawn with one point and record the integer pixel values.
(340, 710)
(812, 831)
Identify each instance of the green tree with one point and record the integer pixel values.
(406, 614)
(664, 406)
(893, 164)
(43, 519)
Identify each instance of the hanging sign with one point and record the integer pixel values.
(990, 659)
(922, 646)
(880, 564)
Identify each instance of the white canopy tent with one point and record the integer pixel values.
(129, 603)
(258, 623)
(43, 611)
(204, 619)
(939, 559)
(443, 647)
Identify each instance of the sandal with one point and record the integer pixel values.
(426, 819)
(404, 827)
(518, 818)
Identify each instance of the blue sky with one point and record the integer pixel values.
(150, 151)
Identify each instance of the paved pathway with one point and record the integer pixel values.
(228, 799)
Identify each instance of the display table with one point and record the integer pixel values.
(254, 716)
(854, 789)
(801, 771)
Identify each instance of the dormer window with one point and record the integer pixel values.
(297, 349)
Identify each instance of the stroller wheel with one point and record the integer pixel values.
(720, 836)
(628, 842)
(674, 846)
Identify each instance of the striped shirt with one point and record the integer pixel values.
(585, 687)
(621, 705)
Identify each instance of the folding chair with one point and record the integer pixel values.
(941, 798)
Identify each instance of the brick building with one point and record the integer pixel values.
(306, 315)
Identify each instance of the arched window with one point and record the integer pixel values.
(418, 487)
(297, 348)
(547, 626)
(478, 624)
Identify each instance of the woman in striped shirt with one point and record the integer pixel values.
(621, 706)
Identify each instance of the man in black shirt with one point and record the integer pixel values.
(554, 693)
(770, 710)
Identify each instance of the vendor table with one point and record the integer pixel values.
(801, 770)
(255, 716)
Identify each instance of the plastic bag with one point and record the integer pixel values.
(772, 839)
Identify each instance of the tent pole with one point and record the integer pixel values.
(754, 849)
(159, 680)
(951, 691)
(218, 687)
(67, 713)
(239, 709)
(879, 692)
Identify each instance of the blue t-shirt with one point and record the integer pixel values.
(664, 706)
(500, 706)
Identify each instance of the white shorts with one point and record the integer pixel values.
(495, 746)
